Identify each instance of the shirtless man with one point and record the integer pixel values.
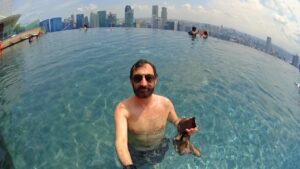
(140, 120)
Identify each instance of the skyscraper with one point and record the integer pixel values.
(295, 60)
(164, 16)
(94, 20)
(155, 16)
(79, 21)
(56, 24)
(102, 18)
(111, 20)
(86, 21)
(45, 25)
(269, 45)
(129, 19)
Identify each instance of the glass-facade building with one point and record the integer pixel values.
(295, 60)
(102, 18)
(56, 24)
(79, 21)
(111, 20)
(129, 16)
(155, 16)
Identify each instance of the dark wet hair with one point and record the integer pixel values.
(139, 64)
(205, 33)
(194, 28)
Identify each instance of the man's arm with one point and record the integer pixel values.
(121, 140)
(172, 117)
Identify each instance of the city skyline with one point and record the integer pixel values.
(274, 18)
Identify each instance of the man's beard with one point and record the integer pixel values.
(143, 92)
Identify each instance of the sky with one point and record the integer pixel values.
(279, 19)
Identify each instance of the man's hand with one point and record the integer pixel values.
(191, 131)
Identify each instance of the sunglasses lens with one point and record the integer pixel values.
(149, 78)
(137, 78)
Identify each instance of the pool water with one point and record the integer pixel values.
(58, 96)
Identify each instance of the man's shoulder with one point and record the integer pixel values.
(163, 99)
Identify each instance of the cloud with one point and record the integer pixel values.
(280, 19)
(187, 6)
(89, 8)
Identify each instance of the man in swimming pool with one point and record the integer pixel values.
(140, 120)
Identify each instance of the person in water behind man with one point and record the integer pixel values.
(140, 120)
(193, 32)
(203, 34)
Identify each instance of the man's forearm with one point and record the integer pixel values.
(124, 155)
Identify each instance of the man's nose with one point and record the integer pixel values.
(143, 82)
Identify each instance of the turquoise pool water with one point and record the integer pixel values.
(58, 96)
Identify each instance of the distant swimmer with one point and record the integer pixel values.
(193, 32)
(298, 85)
(202, 33)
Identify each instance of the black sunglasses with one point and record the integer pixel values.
(138, 78)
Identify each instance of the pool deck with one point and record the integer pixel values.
(20, 37)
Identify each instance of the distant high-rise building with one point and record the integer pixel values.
(164, 16)
(56, 24)
(73, 21)
(129, 16)
(155, 16)
(79, 21)
(94, 20)
(171, 25)
(45, 25)
(269, 45)
(5, 8)
(102, 18)
(295, 60)
(111, 20)
(86, 21)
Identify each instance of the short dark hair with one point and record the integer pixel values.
(194, 28)
(205, 33)
(139, 64)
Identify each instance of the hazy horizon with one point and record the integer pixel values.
(278, 19)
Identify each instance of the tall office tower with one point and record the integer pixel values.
(164, 16)
(79, 21)
(72, 21)
(269, 45)
(45, 25)
(129, 19)
(5, 8)
(56, 24)
(155, 16)
(111, 20)
(102, 18)
(94, 20)
(295, 60)
(86, 21)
